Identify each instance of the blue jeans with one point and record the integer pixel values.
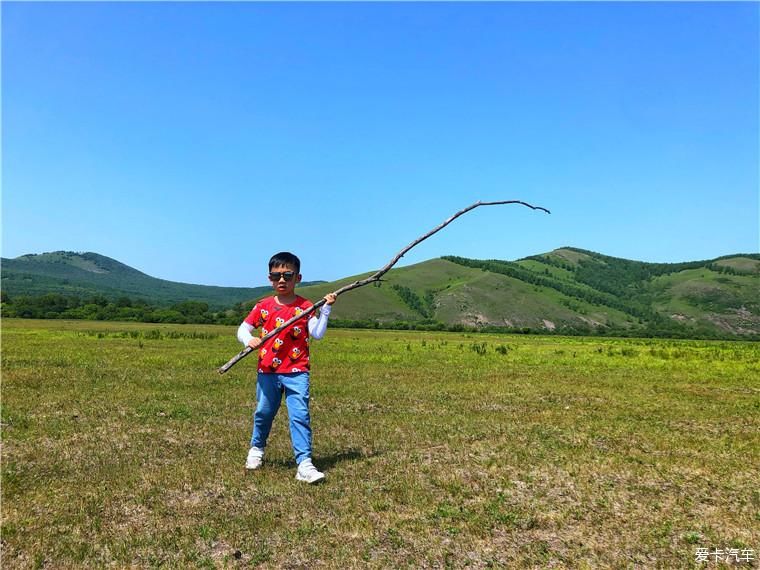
(269, 390)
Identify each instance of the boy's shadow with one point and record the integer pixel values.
(327, 461)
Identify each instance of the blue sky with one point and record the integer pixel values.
(193, 140)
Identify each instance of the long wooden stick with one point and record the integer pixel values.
(372, 278)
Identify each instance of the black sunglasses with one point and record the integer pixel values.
(277, 275)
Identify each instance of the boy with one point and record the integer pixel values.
(284, 363)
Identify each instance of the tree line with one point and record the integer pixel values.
(100, 308)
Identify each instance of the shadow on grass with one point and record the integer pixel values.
(330, 461)
(325, 461)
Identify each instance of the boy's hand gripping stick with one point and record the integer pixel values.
(247, 350)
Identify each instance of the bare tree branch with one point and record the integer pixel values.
(372, 278)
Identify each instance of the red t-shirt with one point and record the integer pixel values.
(288, 351)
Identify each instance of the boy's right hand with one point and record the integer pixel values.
(254, 343)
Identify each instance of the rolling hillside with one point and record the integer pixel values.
(566, 290)
(87, 274)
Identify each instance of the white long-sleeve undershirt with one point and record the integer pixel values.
(317, 326)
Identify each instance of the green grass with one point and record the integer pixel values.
(709, 298)
(569, 255)
(468, 296)
(123, 446)
(540, 268)
(383, 303)
(740, 264)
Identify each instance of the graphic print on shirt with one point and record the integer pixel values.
(289, 351)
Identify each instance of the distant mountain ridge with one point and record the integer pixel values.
(86, 274)
(566, 290)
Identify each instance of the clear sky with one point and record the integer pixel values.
(193, 140)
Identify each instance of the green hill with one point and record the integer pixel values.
(567, 290)
(88, 274)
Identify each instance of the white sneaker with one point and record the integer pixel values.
(255, 458)
(307, 472)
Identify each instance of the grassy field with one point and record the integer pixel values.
(122, 446)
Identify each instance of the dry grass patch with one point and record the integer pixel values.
(123, 447)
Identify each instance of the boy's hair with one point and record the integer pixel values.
(285, 258)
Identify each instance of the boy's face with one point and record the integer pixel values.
(284, 279)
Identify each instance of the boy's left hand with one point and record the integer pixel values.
(330, 298)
